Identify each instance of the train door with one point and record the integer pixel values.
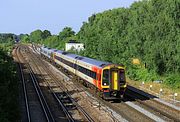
(114, 79)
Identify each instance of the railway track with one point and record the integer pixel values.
(166, 112)
(64, 99)
(36, 106)
(58, 95)
(125, 108)
(118, 108)
(28, 118)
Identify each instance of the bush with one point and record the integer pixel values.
(142, 74)
(9, 107)
(173, 80)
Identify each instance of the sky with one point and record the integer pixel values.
(25, 16)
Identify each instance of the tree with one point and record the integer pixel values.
(66, 32)
(46, 34)
(36, 36)
(147, 30)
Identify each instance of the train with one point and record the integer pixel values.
(105, 78)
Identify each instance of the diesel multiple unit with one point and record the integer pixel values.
(107, 78)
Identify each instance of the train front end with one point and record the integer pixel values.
(113, 81)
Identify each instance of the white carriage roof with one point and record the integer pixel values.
(94, 62)
(84, 59)
(78, 57)
(48, 49)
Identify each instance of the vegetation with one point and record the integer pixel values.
(45, 37)
(9, 107)
(7, 40)
(148, 30)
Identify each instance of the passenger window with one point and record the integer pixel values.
(105, 80)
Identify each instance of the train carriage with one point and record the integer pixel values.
(65, 60)
(47, 52)
(107, 78)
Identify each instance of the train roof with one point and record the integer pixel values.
(72, 55)
(49, 49)
(84, 59)
(93, 61)
(45, 48)
(67, 54)
(59, 51)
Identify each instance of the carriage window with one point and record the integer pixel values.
(121, 76)
(105, 79)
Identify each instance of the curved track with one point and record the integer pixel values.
(124, 108)
(121, 108)
(32, 94)
(63, 98)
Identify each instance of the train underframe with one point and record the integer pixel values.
(106, 94)
(113, 95)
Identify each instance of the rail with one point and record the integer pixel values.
(140, 94)
(63, 88)
(60, 101)
(42, 100)
(24, 89)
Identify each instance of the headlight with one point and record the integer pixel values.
(104, 84)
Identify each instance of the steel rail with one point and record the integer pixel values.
(168, 115)
(24, 88)
(89, 119)
(41, 97)
(68, 115)
(60, 102)
(83, 112)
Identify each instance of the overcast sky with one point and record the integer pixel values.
(25, 16)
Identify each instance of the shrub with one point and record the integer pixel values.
(173, 80)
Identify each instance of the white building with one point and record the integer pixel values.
(74, 46)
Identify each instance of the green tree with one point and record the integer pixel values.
(46, 34)
(66, 32)
(36, 36)
(147, 30)
(24, 38)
